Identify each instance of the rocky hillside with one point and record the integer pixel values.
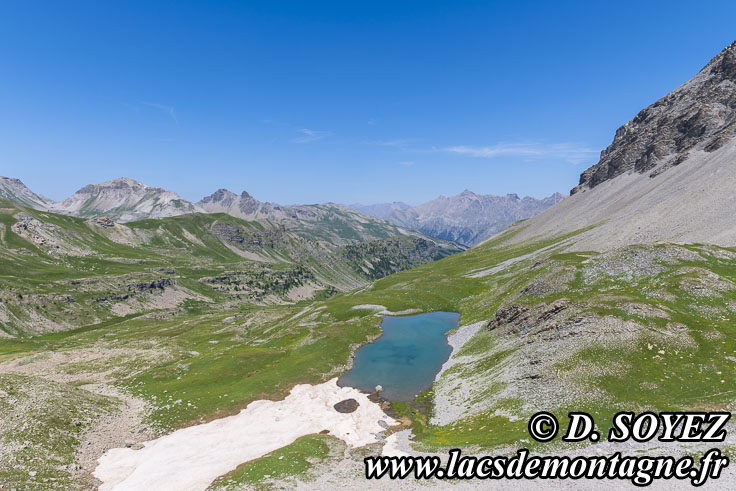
(379, 258)
(124, 200)
(468, 218)
(14, 190)
(698, 116)
(668, 176)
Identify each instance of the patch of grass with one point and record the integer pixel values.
(298, 460)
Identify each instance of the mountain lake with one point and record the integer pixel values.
(406, 358)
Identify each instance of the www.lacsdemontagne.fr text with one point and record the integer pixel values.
(640, 470)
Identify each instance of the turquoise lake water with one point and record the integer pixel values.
(406, 358)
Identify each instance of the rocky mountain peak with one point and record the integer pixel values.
(724, 64)
(700, 115)
(14, 190)
(222, 195)
(124, 199)
(242, 206)
(122, 182)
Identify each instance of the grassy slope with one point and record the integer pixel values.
(220, 360)
(680, 355)
(200, 360)
(65, 284)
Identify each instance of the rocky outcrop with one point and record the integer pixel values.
(137, 289)
(698, 115)
(104, 222)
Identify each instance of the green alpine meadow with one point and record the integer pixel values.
(376, 310)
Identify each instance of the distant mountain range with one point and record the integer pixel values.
(126, 200)
(467, 218)
(328, 222)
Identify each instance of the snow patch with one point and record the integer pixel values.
(191, 458)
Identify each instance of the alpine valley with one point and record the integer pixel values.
(128, 314)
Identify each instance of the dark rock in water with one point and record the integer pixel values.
(324, 432)
(346, 406)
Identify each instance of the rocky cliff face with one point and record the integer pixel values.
(14, 190)
(125, 200)
(698, 115)
(468, 218)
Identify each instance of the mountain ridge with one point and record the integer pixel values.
(126, 200)
(468, 218)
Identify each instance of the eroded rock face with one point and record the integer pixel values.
(698, 115)
(346, 406)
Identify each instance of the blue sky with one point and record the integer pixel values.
(301, 102)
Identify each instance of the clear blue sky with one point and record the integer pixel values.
(300, 102)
